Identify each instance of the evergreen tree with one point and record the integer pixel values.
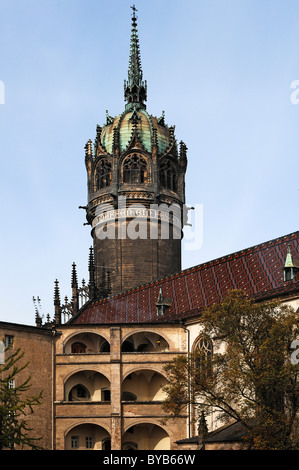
(15, 403)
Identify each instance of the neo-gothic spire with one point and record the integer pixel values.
(135, 88)
(75, 297)
(91, 268)
(57, 303)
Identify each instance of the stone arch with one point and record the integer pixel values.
(145, 420)
(197, 341)
(95, 382)
(130, 445)
(141, 368)
(86, 435)
(86, 421)
(74, 393)
(83, 368)
(136, 338)
(88, 338)
(85, 331)
(146, 384)
(146, 434)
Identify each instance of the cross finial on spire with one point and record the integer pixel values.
(135, 87)
(134, 9)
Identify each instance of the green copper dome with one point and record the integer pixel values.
(135, 122)
(144, 123)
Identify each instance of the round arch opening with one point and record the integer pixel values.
(86, 343)
(87, 436)
(87, 385)
(145, 436)
(145, 341)
(143, 385)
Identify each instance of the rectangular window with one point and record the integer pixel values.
(75, 442)
(11, 383)
(105, 394)
(2, 352)
(8, 340)
(89, 443)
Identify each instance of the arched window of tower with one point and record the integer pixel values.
(135, 169)
(168, 176)
(103, 174)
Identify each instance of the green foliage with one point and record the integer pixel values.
(250, 377)
(15, 403)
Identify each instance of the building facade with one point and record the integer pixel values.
(102, 372)
(100, 360)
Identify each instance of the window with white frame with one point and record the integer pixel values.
(89, 442)
(11, 384)
(74, 442)
(8, 340)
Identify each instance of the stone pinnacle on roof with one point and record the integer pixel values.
(135, 88)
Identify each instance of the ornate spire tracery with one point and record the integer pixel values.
(135, 88)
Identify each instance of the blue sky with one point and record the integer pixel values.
(222, 71)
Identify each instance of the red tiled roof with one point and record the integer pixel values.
(257, 270)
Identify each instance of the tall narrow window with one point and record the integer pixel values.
(8, 340)
(105, 395)
(74, 442)
(103, 174)
(89, 443)
(203, 357)
(11, 383)
(134, 170)
(168, 177)
(2, 352)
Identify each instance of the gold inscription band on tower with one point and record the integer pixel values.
(137, 213)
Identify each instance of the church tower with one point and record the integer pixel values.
(136, 190)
